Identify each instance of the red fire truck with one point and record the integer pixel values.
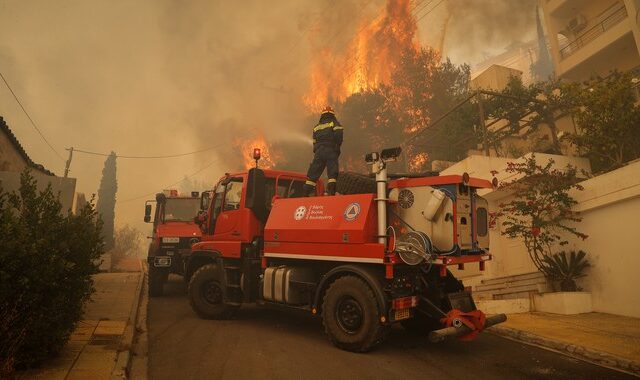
(174, 232)
(360, 261)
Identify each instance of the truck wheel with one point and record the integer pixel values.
(156, 282)
(355, 183)
(420, 324)
(206, 294)
(350, 315)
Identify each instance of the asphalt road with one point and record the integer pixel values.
(265, 343)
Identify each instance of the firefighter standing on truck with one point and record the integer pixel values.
(327, 140)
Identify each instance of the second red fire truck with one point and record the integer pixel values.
(174, 232)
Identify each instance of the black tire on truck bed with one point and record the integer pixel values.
(355, 183)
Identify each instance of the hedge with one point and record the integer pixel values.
(47, 257)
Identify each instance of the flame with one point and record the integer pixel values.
(418, 161)
(369, 59)
(269, 156)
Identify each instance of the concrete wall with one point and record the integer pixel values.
(10, 181)
(10, 159)
(609, 205)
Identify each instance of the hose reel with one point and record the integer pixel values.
(414, 247)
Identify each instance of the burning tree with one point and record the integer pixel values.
(385, 88)
(422, 88)
(367, 60)
(392, 88)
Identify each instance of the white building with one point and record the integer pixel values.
(592, 37)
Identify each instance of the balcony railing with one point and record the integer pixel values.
(617, 13)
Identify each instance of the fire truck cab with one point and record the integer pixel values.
(360, 261)
(174, 232)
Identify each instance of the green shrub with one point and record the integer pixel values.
(565, 269)
(47, 257)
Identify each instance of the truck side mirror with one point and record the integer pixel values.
(204, 200)
(200, 218)
(256, 194)
(147, 213)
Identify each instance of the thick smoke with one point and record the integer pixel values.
(153, 77)
(478, 29)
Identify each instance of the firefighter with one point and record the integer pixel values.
(327, 140)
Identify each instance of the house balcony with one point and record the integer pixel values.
(605, 46)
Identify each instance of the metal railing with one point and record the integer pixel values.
(617, 13)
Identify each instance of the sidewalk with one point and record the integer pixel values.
(99, 347)
(604, 339)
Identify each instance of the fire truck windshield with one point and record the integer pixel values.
(181, 209)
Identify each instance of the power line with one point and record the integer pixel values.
(29, 117)
(330, 39)
(429, 11)
(148, 157)
(422, 6)
(173, 184)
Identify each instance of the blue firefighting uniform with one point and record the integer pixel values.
(327, 140)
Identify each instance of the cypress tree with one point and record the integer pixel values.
(107, 200)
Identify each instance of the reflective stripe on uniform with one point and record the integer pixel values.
(310, 183)
(320, 127)
(337, 127)
(331, 180)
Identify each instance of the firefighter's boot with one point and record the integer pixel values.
(331, 187)
(309, 189)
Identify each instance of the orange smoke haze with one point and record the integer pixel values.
(367, 61)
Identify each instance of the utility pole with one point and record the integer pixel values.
(68, 163)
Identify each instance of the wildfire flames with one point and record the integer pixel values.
(417, 162)
(269, 157)
(365, 62)
(368, 60)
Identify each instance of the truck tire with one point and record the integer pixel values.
(206, 294)
(350, 315)
(156, 282)
(355, 183)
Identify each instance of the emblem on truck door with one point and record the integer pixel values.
(352, 212)
(300, 213)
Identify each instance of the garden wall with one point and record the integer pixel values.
(610, 207)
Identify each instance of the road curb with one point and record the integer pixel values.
(138, 368)
(600, 358)
(123, 361)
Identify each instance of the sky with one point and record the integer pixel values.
(162, 77)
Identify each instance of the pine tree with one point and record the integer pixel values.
(107, 199)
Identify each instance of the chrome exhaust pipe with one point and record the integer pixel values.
(460, 329)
